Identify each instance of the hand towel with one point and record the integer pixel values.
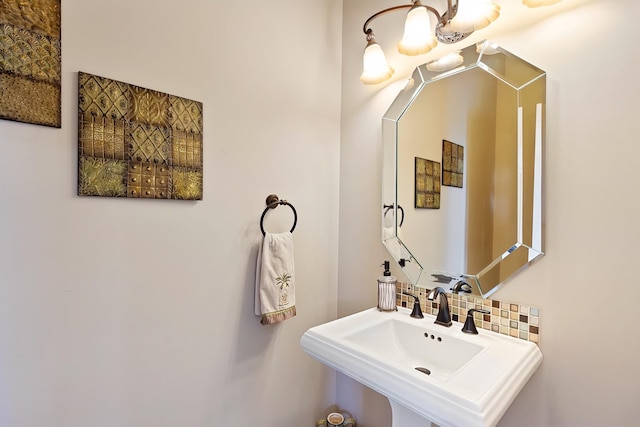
(275, 298)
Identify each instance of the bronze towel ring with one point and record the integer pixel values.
(272, 202)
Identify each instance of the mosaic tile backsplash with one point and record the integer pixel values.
(516, 320)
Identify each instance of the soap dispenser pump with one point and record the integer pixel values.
(387, 290)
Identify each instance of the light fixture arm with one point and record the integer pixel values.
(450, 11)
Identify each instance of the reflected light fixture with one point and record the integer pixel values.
(487, 48)
(425, 26)
(446, 63)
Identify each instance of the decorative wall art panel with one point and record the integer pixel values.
(452, 164)
(136, 142)
(30, 61)
(427, 184)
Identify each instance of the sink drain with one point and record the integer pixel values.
(423, 370)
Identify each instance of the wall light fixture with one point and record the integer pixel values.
(425, 26)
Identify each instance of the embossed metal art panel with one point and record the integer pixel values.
(30, 61)
(136, 142)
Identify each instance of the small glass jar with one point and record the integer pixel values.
(387, 293)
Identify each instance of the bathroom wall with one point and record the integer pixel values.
(131, 313)
(585, 286)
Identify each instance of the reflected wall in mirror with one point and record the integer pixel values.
(489, 223)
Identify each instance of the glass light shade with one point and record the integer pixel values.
(446, 63)
(537, 3)
(375, 68)
(472, 15)
(418, 35)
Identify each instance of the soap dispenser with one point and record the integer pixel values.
(387, 290)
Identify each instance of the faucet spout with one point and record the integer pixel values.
(444, 315)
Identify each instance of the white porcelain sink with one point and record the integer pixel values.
(463, 380)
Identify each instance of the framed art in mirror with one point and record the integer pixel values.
(427, 185)
(452, 164)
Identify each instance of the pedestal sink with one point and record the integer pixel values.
(429, 373)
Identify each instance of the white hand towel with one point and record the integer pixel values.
(275, 298)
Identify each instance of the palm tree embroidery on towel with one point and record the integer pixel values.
(282, 282)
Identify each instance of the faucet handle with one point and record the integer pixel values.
(470, 325)
(417, 311)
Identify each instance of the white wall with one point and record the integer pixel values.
(585, 285)
(131, 313)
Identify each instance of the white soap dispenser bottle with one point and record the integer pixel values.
(387, 290)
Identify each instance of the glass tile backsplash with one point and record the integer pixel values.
(516, 320)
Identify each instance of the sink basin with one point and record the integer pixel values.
(413, 345)
(428, 372)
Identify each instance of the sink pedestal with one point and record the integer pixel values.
(402, 416)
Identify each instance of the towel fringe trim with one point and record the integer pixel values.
(278, 316)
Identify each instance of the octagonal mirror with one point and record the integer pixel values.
(462, 166)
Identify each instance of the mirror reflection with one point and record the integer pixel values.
(462, 170)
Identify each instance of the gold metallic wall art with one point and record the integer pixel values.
(136, 142)
(427, 184)
(452, 164)
(30, 61)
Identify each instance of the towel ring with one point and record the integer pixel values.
(388, 208)
(272, 202)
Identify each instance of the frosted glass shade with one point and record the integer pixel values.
(537, 3)
(473, 15)
(374, 65)
(418, 35)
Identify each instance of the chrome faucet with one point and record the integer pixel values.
(444, 316)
